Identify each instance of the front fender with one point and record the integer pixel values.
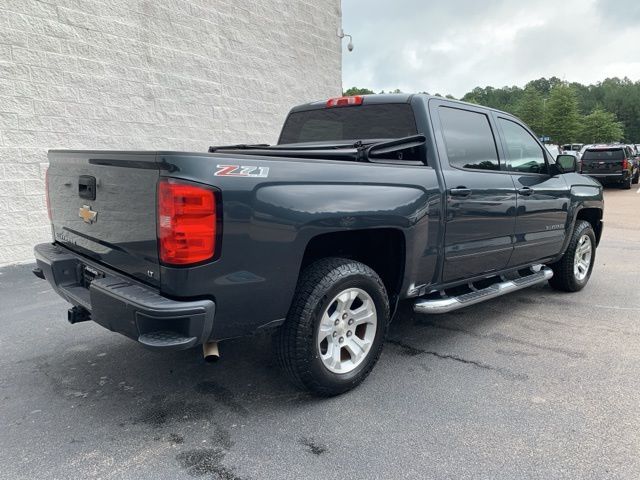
(586, 193)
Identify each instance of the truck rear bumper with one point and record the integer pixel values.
(122, 305)
(606, 178)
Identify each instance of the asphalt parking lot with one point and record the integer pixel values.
(537, 384)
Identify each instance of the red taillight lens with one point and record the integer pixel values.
(625, 163)
(186, 223)
(344, 101)
(46, 193)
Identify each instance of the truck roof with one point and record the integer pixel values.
(382, 98)
(367, 99)
(605, 147)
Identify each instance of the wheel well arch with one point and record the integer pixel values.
(382, 249)
(594, 217)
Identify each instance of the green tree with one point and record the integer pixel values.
(530, 109)
(358, 91)
(562, 121)
(601, 127)
(619, 96)
(622, 97)
(543, 85)
(505, 98)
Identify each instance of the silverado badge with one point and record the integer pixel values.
(88, 215)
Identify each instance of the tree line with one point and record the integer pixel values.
(607, 111)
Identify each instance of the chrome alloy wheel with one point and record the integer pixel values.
(347, 330)
(582, 258)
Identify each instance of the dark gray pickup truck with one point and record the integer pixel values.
(363, 203)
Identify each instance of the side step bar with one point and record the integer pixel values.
(445, 305)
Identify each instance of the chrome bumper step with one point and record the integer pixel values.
(449, 304)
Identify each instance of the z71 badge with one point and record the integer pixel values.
(239, 171)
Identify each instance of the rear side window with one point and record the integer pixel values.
(468, 139)
(524, 154)
(363, 122)
(602, 154)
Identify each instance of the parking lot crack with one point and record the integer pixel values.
(413, 351)
(501, 338)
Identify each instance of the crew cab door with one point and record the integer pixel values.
(480, 194)
(542, 199)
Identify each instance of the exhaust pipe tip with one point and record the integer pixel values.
(210, 352)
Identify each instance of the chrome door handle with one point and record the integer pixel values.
(460, 192)
(526, 191)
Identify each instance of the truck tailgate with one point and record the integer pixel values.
(603, 161)
(103, 205)
(602, 166)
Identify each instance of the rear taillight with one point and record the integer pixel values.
(46, 193)
(186, 223)
(344, 101)
(625, 163)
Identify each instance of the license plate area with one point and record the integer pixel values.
(89, 274)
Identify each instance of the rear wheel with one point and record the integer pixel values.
(636, 177)
(626, 184)
(571, 273)
(336, 326)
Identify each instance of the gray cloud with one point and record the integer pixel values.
(453, 46)
(620, 13)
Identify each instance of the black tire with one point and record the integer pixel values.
(636, 178)
(564, 277)
(297, 338)
(626, 184)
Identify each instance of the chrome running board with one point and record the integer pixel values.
(449, 304)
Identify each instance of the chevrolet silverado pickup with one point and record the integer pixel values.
(363, 203)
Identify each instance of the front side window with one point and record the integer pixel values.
(468, 139)
(524, 154)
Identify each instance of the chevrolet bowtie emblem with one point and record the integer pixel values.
(88, 215)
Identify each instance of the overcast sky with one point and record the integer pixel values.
(452, 46)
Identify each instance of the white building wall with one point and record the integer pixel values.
(147, 74)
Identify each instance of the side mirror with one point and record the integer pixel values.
(568, 163)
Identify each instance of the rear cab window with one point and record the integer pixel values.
(603, 154)
(362, 122)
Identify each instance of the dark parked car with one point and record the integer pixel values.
(611, 164)
(635, 159)
(365, 202)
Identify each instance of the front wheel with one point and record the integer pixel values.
(571, 273)
(336, 326)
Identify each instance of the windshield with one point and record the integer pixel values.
(609, 154)
(381, 121)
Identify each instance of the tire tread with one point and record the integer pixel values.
(563, 278)
(296, 335)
